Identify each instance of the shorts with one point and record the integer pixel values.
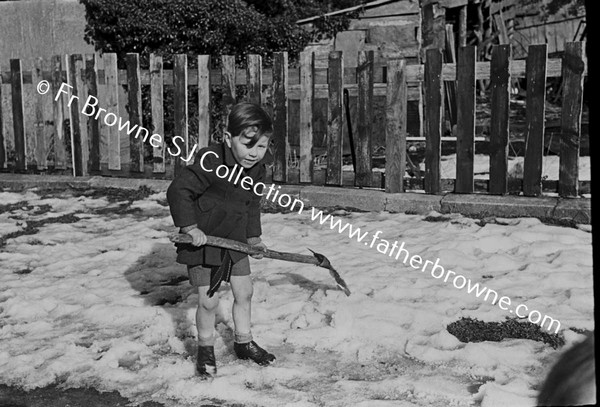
(200, 276)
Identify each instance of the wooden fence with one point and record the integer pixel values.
(98, 146)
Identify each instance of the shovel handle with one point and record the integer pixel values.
(246, 248)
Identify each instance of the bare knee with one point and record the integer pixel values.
(244, 296)
(206, 303)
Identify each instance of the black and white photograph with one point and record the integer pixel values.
(303, 203)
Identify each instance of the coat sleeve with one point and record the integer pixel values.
(183, 193)
(254, 228)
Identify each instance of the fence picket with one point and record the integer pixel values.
(434, 108)
(203, 101)
(500, 108)
(307, 65)
(574, 61)
(280, 116)
(364, 72)
(228, 87)
(536, 105)
(91, 84)
(396, 125)
(112, 107)
(75, 94)
(180, 112)
(158, 124)
(18, 110)
(58, 115)
(465, 124)
(335, 118)
(2, 141)
(254, 79)
(40, 140)
(134, 99)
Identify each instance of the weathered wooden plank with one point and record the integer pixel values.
(462, 26)
(536, 106)
(254, 79)
(79, 76)
(434, 108)
(158, 114)
(203, 101)
(228, 87)
(280, 116)
(93, 127)
(112, 107)
(364, 71)
(40, 151)
(134, 99)
(499, 130)
(414, 73)
(396, 126)
(183, 156)
(465, 124)
(572, 106)
(18, 110)
(74, 94)
(450, 86)
(2, 140)
(335, 118)
(58, 116)
(306, 116)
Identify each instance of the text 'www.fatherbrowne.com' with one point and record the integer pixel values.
(398, 251)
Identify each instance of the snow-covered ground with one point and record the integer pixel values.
(100, 302)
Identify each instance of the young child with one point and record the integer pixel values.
(203, 201)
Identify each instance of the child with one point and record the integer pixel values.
(204, 202)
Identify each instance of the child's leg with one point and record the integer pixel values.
(205, 317)
(241, 286)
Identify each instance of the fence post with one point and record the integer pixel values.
(465, 120)
(40, 151)
(18, 109)
(228, 86)
(91, 83)
(395, 129)
(307, 65)
(434, 108)
(364, 72)
(74, 66)
(500, 108)
(254, 78)
(335, 118)
(134, 98)
(537, 56)
(158, 114)
(280, 116)
(112, 107)
(573, 66)
(203, 101)
(180, 112)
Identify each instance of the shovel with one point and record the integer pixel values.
(317, 259)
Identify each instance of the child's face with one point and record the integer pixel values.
(247, 156)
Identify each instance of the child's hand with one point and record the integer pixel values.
(260, 246)
(198, 237)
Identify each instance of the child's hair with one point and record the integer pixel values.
(248, 117)
(572, 379)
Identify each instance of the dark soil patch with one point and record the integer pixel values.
(33, 226)
(473, 330)
(53, 397)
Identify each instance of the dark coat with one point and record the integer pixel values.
(216, 205)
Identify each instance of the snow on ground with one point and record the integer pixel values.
(100, 302)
